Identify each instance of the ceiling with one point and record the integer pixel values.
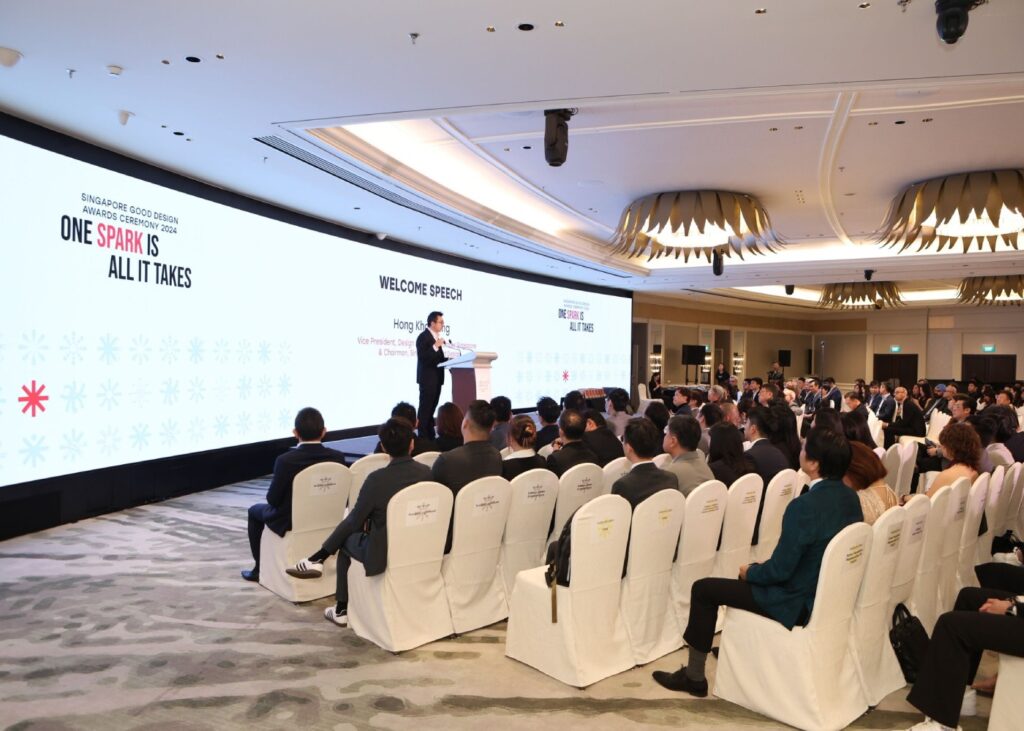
(823, 111)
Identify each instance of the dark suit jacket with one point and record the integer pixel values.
(726, 474)
(570, 455)
(545, 436)
(1016, 446)
(372, 505)
(833, 398)
(445, 443)
(874, 402)
(462, 465)
(286, 466)
(604, 444)
(643, 481)
(427, 360)
(684, 410)
(420, 445)
(784, 585)
(912, 423)
(939, 404)
(887, 408)
(768, 461)
(511, 468)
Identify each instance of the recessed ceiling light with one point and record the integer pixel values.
(900, 121)
(927, 119)
(220, 56)
(527, 147)
(559, 24)
(356, 208)
(163, 126)
(507, 149)
(760, 11)
(188, 139)
(872, 124)
(490, 29)
(166, 62)
(773, 129)
(526, 26)
(193, 59)
(179, 134)
(115, 70)
(799, 126)
(849, 195)
(864, 6)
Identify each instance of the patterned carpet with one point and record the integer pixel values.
(139, 620)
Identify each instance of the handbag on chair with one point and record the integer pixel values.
(909, 641)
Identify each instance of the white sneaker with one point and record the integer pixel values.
(306, 569)
(931, 725)
(339, 618)
(970, 704)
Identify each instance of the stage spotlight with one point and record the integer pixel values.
(951, 22)
(556, 135)
(790, 288)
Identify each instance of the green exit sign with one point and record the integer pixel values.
(988, 348)
(895, 348)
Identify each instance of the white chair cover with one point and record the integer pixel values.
(802, 480)
(807, 677)
(589, 640)
(645, 603)
(505, 452)
(698, 544)
(880, 451)
(738, 526)
(968, 555)
(1014, 518)
(576, 487)
(996, 484)
(877, 432)
(924, 484)
(925, 593)
(360, 469)
(319, 493)
(936, 424)
(1002, 521)
(917, 509)
(526, 532)
(999, 454)
(546, 450)
(908, 458)
(780, 491)
(949, 561)
(641, 389)
(613, 471)
(1008, 703)
(472, 580)
(877, 666)
(427, 458)
(891, 460)
(406, 606)
(662, 459)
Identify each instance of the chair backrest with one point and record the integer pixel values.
(938, 527)
(917, 510)
(576, 487)
(427, 458)
(546, 450)
(613, 471)
(654, 533)
(702, 522)
(999, 454)
(1016, 499)
(936, 423)
(957, 511)
(977, 496)
(505, 451)
(992, 500)
(877, 432)
(360, 469)
(1006, 495)
(600, 530)
(319, 493)
(777, 496)
(891, 460)
(641, 389)
(738, 527)
(533, 503)
(880, 451)
(479, 517)
(662, 459)
(842, 572)
(886, 542)
(418, 518)
(908, 458)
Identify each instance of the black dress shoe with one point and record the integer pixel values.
(679, 681)
(251, 574)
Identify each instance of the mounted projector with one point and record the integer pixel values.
(556, 135)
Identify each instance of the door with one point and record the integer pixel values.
(901, 368)
(998, 370)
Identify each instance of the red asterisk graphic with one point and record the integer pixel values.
(565, 375)
(33, 398)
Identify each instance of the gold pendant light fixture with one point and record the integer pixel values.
(1001, 290)
(861, 296)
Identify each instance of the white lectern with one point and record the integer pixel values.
(471, 377)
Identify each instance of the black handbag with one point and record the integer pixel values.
(909, 642)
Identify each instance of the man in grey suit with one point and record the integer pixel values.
(502, 406)
(682, 435)
(363, 535)
(644, 478)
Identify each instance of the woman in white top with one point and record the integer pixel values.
(866, 474)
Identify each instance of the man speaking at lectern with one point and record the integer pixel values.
(430, 354)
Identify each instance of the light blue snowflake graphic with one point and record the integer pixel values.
(243, 423)
(73, 348)
(244, 387)
(108, 349)
(72, 445)
(221, 351)
(74, 396)
(284, 352)
(33, 450)
(196, 429)
(33, 348)
(1, 350)
(221, 389)
(139, 349)
(195, 350)
(244, 351)
(196, 389)
(170, 391)
(284, 418)
(169, 432)
(140, 436)
(110, 394)
(284, 385)
(263, 351)
(110, 440)
(264, 386)
(140, 393)
(220, 426)
(263, 419)
(169, 350)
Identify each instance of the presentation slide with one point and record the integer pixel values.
(141, 322)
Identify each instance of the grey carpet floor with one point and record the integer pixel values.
(139, 620)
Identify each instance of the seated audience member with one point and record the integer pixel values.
(682, 435)
(574, 400)
(502, 407)
(750, 393)
(731, 414)
(931, 458)
(449, 427)
(733, 388)
(768, 459)
(616, 405)
(783, 432)
(874, 397)
(407, 411)
(571, 450)
(1016, 445)
(1004, 427)
(599, 438)
(363, 534)
(477, 457)
(681, 401)
(887, 404)
(768, 393)
(642, 440)
(985, 428)
(828, 419)
(548, 412)
(726, 459)
(717, 394)
(522, 435)
(853, 403)
(276, 513)
(866, 474)
(783, 587)
(709, 415)
(1004, 397)
(982, 619)
(962, 447)
(831, 397)
(658, 413)
(1005, 575)
(855, 429)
